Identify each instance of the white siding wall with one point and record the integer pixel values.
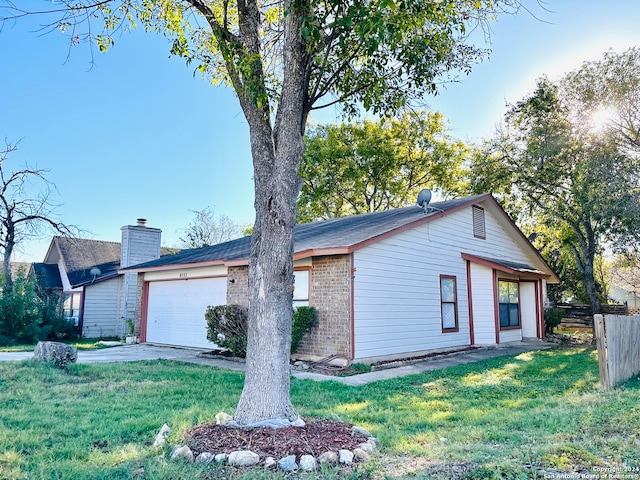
(484, 320)
(397, 290)
(101, 317)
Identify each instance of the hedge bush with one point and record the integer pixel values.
(552, 318)
(227, 327)
(304, 319)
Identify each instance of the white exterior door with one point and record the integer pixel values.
(528, 313)
(484, 316)
(176, 308)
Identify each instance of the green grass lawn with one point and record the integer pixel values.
(487, 420)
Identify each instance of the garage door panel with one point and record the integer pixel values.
(175, 310)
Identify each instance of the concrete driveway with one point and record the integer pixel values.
(133, 353)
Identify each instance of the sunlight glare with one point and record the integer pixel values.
(601, 117)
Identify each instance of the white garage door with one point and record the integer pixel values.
(175, 312)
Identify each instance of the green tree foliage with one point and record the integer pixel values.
(284, 59)
(364, 167)
(28, 317)
(560, 173)
(610, 88)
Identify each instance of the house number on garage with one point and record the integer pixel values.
(183, 275)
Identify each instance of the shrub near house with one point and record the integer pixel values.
(227, 327)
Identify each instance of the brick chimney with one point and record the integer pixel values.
(139, 244)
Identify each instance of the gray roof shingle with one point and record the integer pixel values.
(341, 232)
(81, 255)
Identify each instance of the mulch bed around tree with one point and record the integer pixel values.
(315, 438)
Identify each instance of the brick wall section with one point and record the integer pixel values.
(331, 295)
(238, 286)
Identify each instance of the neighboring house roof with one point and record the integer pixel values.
(344, 235)
(84, 260)
(81, 257)
(48, 275)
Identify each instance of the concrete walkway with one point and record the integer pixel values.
(133, 353)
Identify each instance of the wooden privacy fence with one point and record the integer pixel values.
(618, 342)
(581, 316)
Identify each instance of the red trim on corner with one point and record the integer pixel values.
(537, 297)
(144, 311)
(352, 276)
(472, 339)
(81, 312)
(496, 306)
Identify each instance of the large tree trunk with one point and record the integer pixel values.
(276, 155)
(265, 397)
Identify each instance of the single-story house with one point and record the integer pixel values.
(97, 298)
(387, 284)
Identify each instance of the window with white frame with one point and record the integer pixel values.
(301, 288)
(448, 303)
(71, 306)
(509, 299)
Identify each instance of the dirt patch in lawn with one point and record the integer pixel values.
(315, 438)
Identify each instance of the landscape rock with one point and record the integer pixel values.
(205, 457)
(308, 463)
(328, 457)
(373, 441)
(360, 455)
(269, 462)
(243, 458)
(221, 457)
(60, 354)
(182, 453)
(367, 447)
(360, 431)
(345, 457)
(288, 464)
(160, 437)
(223, 418)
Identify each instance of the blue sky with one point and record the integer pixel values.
(138, 135)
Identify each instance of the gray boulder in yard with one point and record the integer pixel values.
(243, 458)
(288, 464)
(60, 354)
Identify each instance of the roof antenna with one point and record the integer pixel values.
(424, 197)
